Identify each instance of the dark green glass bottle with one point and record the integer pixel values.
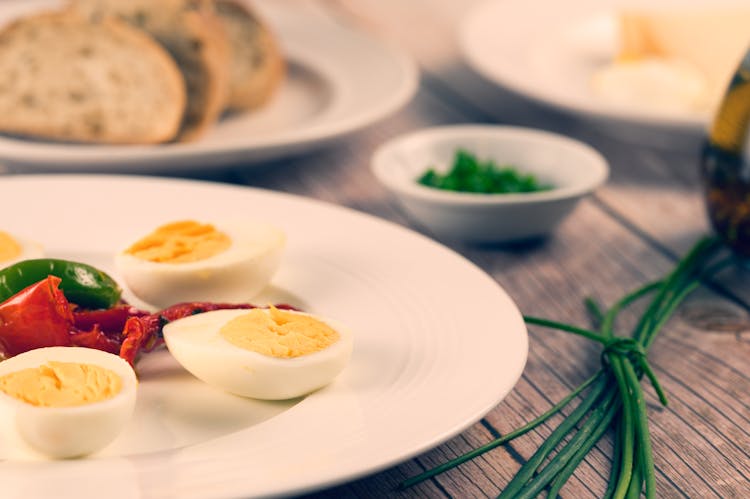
(725, 165)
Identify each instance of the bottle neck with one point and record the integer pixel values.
(730, 127)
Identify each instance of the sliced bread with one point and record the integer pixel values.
(192, 34)
(257, 66)
(64, 78)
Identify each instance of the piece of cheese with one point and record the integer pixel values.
(713, 39)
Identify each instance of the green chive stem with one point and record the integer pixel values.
(636, 483)
(564, 327)
(626, 463)
(558, 434)
(594, 310)
(616, 457)
(565, 473)
(615, 397)
(607, 326)
(646, 368)
(646, 457)
(502, 440)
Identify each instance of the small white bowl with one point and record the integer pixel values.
(573, 168)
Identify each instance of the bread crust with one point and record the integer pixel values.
(257, 64)
(193, 36)
(215, 57)
(167, 118)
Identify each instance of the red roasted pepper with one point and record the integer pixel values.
(143, 332)
(95, 338)
(133, 337)
(38, 316)
(110, 320)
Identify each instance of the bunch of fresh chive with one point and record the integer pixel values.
(613, 395)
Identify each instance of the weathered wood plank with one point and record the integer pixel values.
(650, 211)
(548, 278)
(667, 425)
(654, 186)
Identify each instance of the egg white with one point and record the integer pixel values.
(29, 250)
(234, 275)
(195, 342)
(65, 432)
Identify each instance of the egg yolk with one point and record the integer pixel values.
(181, 242)
(9, 247)
(278, 333)
(61, 384)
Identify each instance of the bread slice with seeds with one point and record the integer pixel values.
(256, 65)
(190, 31)
(64, 78)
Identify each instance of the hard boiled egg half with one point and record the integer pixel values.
(14, 249)
(68, 401)
(267, 354)
(195, 261)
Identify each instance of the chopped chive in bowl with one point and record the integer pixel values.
(470, 174)
(572, 169)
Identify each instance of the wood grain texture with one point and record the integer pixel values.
(632, 231)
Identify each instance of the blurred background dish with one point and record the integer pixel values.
(619, 62)
(321, 100)
(571, 169)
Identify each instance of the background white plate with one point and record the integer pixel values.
(339, 81)
(549, 50)
(437, 344)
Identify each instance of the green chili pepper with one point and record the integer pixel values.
(82, 284)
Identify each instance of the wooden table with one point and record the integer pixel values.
(631, 231)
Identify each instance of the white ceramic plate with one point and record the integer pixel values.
(339, 81)
(549, 51)
(437, 344)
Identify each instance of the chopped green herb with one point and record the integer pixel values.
(469, 174)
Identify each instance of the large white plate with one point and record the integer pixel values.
(437, 344)
(549, 51)
(339, 81)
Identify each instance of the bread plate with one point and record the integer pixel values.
(327, 95)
